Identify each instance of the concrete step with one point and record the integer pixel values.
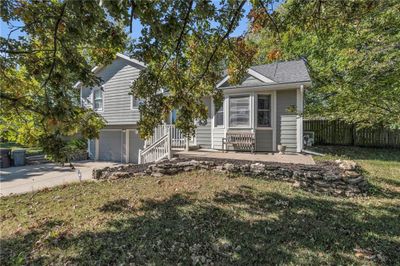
(36, 159)
(191, 148)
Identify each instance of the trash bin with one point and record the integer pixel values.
(5, 160)
(19, 157)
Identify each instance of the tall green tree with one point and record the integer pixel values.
(352, 50)
(58, 44)
(186, 45)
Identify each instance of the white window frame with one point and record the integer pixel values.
(271, 107)
(229, 111)
(214, 115)
(133, 107)
(102, 100)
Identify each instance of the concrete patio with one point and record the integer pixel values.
(296, 158)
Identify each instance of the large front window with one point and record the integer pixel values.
(98, 99)
(239, 111)
(263, 111)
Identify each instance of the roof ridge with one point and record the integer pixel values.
(287, 61)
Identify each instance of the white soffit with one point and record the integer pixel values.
(259, 76)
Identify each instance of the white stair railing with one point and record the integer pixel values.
(178, 140)
(158, 133)
(156, 151)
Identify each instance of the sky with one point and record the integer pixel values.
(4, 28)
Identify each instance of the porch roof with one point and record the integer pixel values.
(272, 74)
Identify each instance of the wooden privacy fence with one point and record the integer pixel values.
(341, 133)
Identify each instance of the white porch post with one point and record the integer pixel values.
(274, 119)
(299, 124)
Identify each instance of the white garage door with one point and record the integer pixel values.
(110, 146)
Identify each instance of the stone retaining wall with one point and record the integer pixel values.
(343, 178)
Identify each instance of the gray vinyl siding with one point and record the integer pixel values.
(116, 81)
(203, 133)
(217, 138)
(110, 145)
(284, 99)
(250, 80)
(135, 143)
(288, 132)
(264, 140)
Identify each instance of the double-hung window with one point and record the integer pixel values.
(239, 111)
(264, 110)
(98, 100)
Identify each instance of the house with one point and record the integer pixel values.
(266, 103)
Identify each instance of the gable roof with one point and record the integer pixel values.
(119, 55)
(272, 74)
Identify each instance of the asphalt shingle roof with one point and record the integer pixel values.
(281, 72)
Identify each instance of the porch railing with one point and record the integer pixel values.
(178, 140)
(158, 150)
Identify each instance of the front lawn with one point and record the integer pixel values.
(202, 218)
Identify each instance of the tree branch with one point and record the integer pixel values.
(216, 47)
(17, 101)
(271, 19)
(180, 38)
(25, 51)
(53, 65)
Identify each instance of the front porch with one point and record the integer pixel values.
(295, 158)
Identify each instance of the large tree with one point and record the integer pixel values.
(351, 47)
(185, 44)
(352, 50)
(57, 44)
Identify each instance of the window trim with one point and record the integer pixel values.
(229, 111)
(223, 116)
(270, 111)
(102, 100)
(131, 105)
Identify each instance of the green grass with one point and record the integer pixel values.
(14, 146)
(381, 165)
(203, 217)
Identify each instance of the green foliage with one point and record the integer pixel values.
(352, 50)
(186, 55)
(63, 40)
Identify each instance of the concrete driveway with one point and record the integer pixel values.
(17, 180)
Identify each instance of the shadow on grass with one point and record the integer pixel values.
(242, 227)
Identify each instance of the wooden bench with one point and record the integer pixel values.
(240, 139)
